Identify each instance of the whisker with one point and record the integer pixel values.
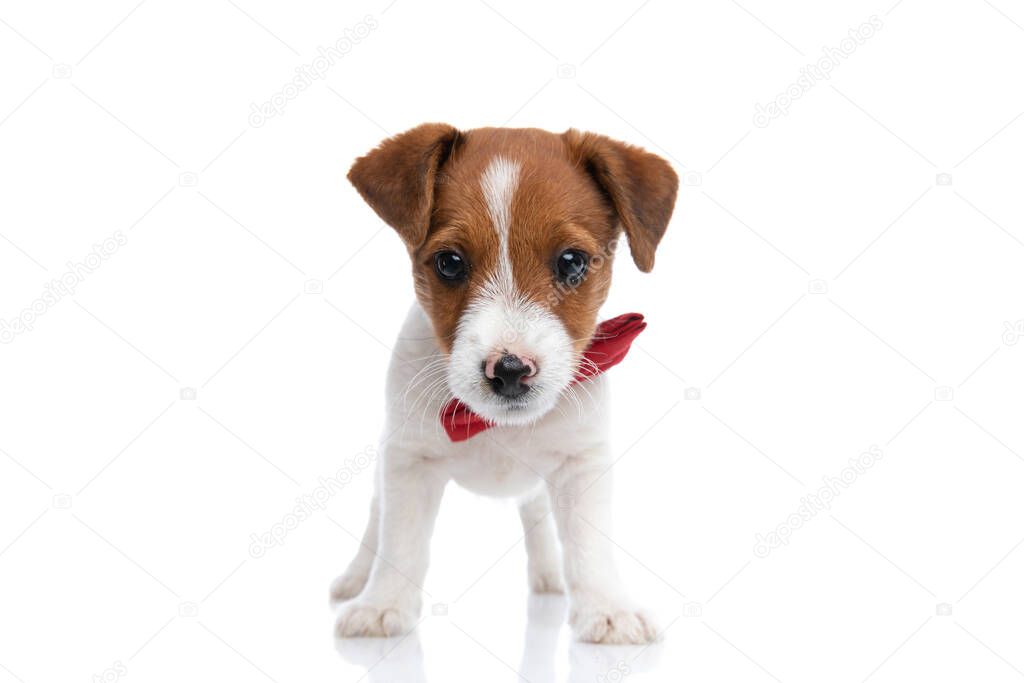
(423, 401)
(425, 396)
(428, 372)
(427, 375)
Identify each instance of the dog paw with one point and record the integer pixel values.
(546, 580)
(348, 586)
(363, 620)
(612, 625)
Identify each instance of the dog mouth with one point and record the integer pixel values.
(513, 405)
(509, 411)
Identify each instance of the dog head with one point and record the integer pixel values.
(511, 233)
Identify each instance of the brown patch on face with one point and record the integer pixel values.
(574, 191)
(445, 301)
(557, 208)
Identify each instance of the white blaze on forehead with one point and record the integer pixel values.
(499, 183)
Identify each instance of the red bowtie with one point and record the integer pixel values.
(608, 347)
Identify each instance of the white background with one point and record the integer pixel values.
(819, 286)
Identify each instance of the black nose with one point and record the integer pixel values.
(509, 371)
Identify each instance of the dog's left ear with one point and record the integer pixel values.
(641, 186)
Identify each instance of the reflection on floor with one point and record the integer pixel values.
(402, 658)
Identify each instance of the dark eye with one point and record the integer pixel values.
(571, 267)
(450, 266)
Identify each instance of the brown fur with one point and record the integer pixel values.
(575, 190)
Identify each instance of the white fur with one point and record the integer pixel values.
(557, 468)
(549, 449)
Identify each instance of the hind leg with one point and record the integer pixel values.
(353, 579)
(544, 556)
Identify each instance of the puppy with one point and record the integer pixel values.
(511, 234)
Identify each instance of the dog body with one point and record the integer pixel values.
(511, 234)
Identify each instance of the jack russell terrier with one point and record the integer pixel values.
(495, 380)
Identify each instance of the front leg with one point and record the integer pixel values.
(409, 496)
(600, 611)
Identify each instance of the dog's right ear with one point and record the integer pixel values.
(397, 178)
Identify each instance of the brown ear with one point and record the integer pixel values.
(397, 178)
(641, 186)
